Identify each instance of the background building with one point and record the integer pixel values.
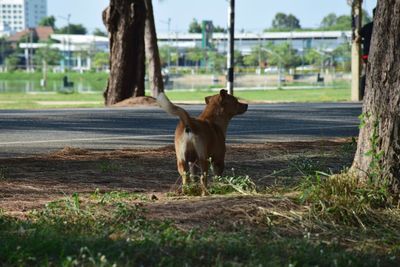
(17, 15)
(244, 42)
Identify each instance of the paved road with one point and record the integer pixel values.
(29, 132)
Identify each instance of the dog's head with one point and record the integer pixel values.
(226, 103)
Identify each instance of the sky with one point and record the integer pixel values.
(252, 17)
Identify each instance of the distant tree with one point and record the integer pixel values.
(343, 22)
(328, 21)
(219, 29)
(195, 27)
(195, 55)
(168, 53)
(101, 60)
(12, 62)
(239, 58)
(45, 56)
(99, 32)
(216, 61)
(342, 55)
(73, 29)
(5, 49)
(312, 57)
(283, 21)
(332, 22)
(48, 21)
(257, 56)
(283, 54)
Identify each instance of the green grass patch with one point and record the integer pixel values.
(53, 100)
(286, 95)
(4, 173)
(95, 100)
(343, 199)
(89, 231)
(36, 76)
(222, 185)
(17, 94)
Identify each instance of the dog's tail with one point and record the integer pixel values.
(172, 109)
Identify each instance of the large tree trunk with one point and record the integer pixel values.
(378, 151)
(125, 22)
(152, 54)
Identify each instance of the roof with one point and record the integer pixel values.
(79, 38)
(19, 35)
(41, 33)
(44, 32)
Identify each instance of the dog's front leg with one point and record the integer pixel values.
(218, 167)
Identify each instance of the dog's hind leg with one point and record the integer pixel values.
(183, 171)
(204, 165)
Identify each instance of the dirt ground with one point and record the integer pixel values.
(30, 183)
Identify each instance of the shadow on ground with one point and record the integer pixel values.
(30, 183)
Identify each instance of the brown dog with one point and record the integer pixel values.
(199, 139)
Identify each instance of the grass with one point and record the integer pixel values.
(25, 76)
(321, 220)
(220, 185)
(32, 101)
(4, 172)
(76, 100)
(17, 98)
(112, 230)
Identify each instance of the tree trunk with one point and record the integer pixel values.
(378, 151)
(152, 53)
(125, 22)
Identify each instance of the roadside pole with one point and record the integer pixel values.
(356, 14)
(231, 46)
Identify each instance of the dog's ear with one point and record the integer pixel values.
(223, 92)
(207, 99)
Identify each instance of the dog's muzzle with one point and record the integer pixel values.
(243, 108)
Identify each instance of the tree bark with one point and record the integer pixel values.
(379, 138)
(152, 53)
(125, 22)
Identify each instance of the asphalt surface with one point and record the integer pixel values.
(28, 132)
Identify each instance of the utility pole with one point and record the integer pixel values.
(231, 46)
(169, 43)
(69, 42)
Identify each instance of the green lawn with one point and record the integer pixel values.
(14, 87)
(318, 227)
(286, 95)
(59, 100)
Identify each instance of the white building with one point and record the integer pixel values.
(76, 50)
(17, 15)
(244, 42)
